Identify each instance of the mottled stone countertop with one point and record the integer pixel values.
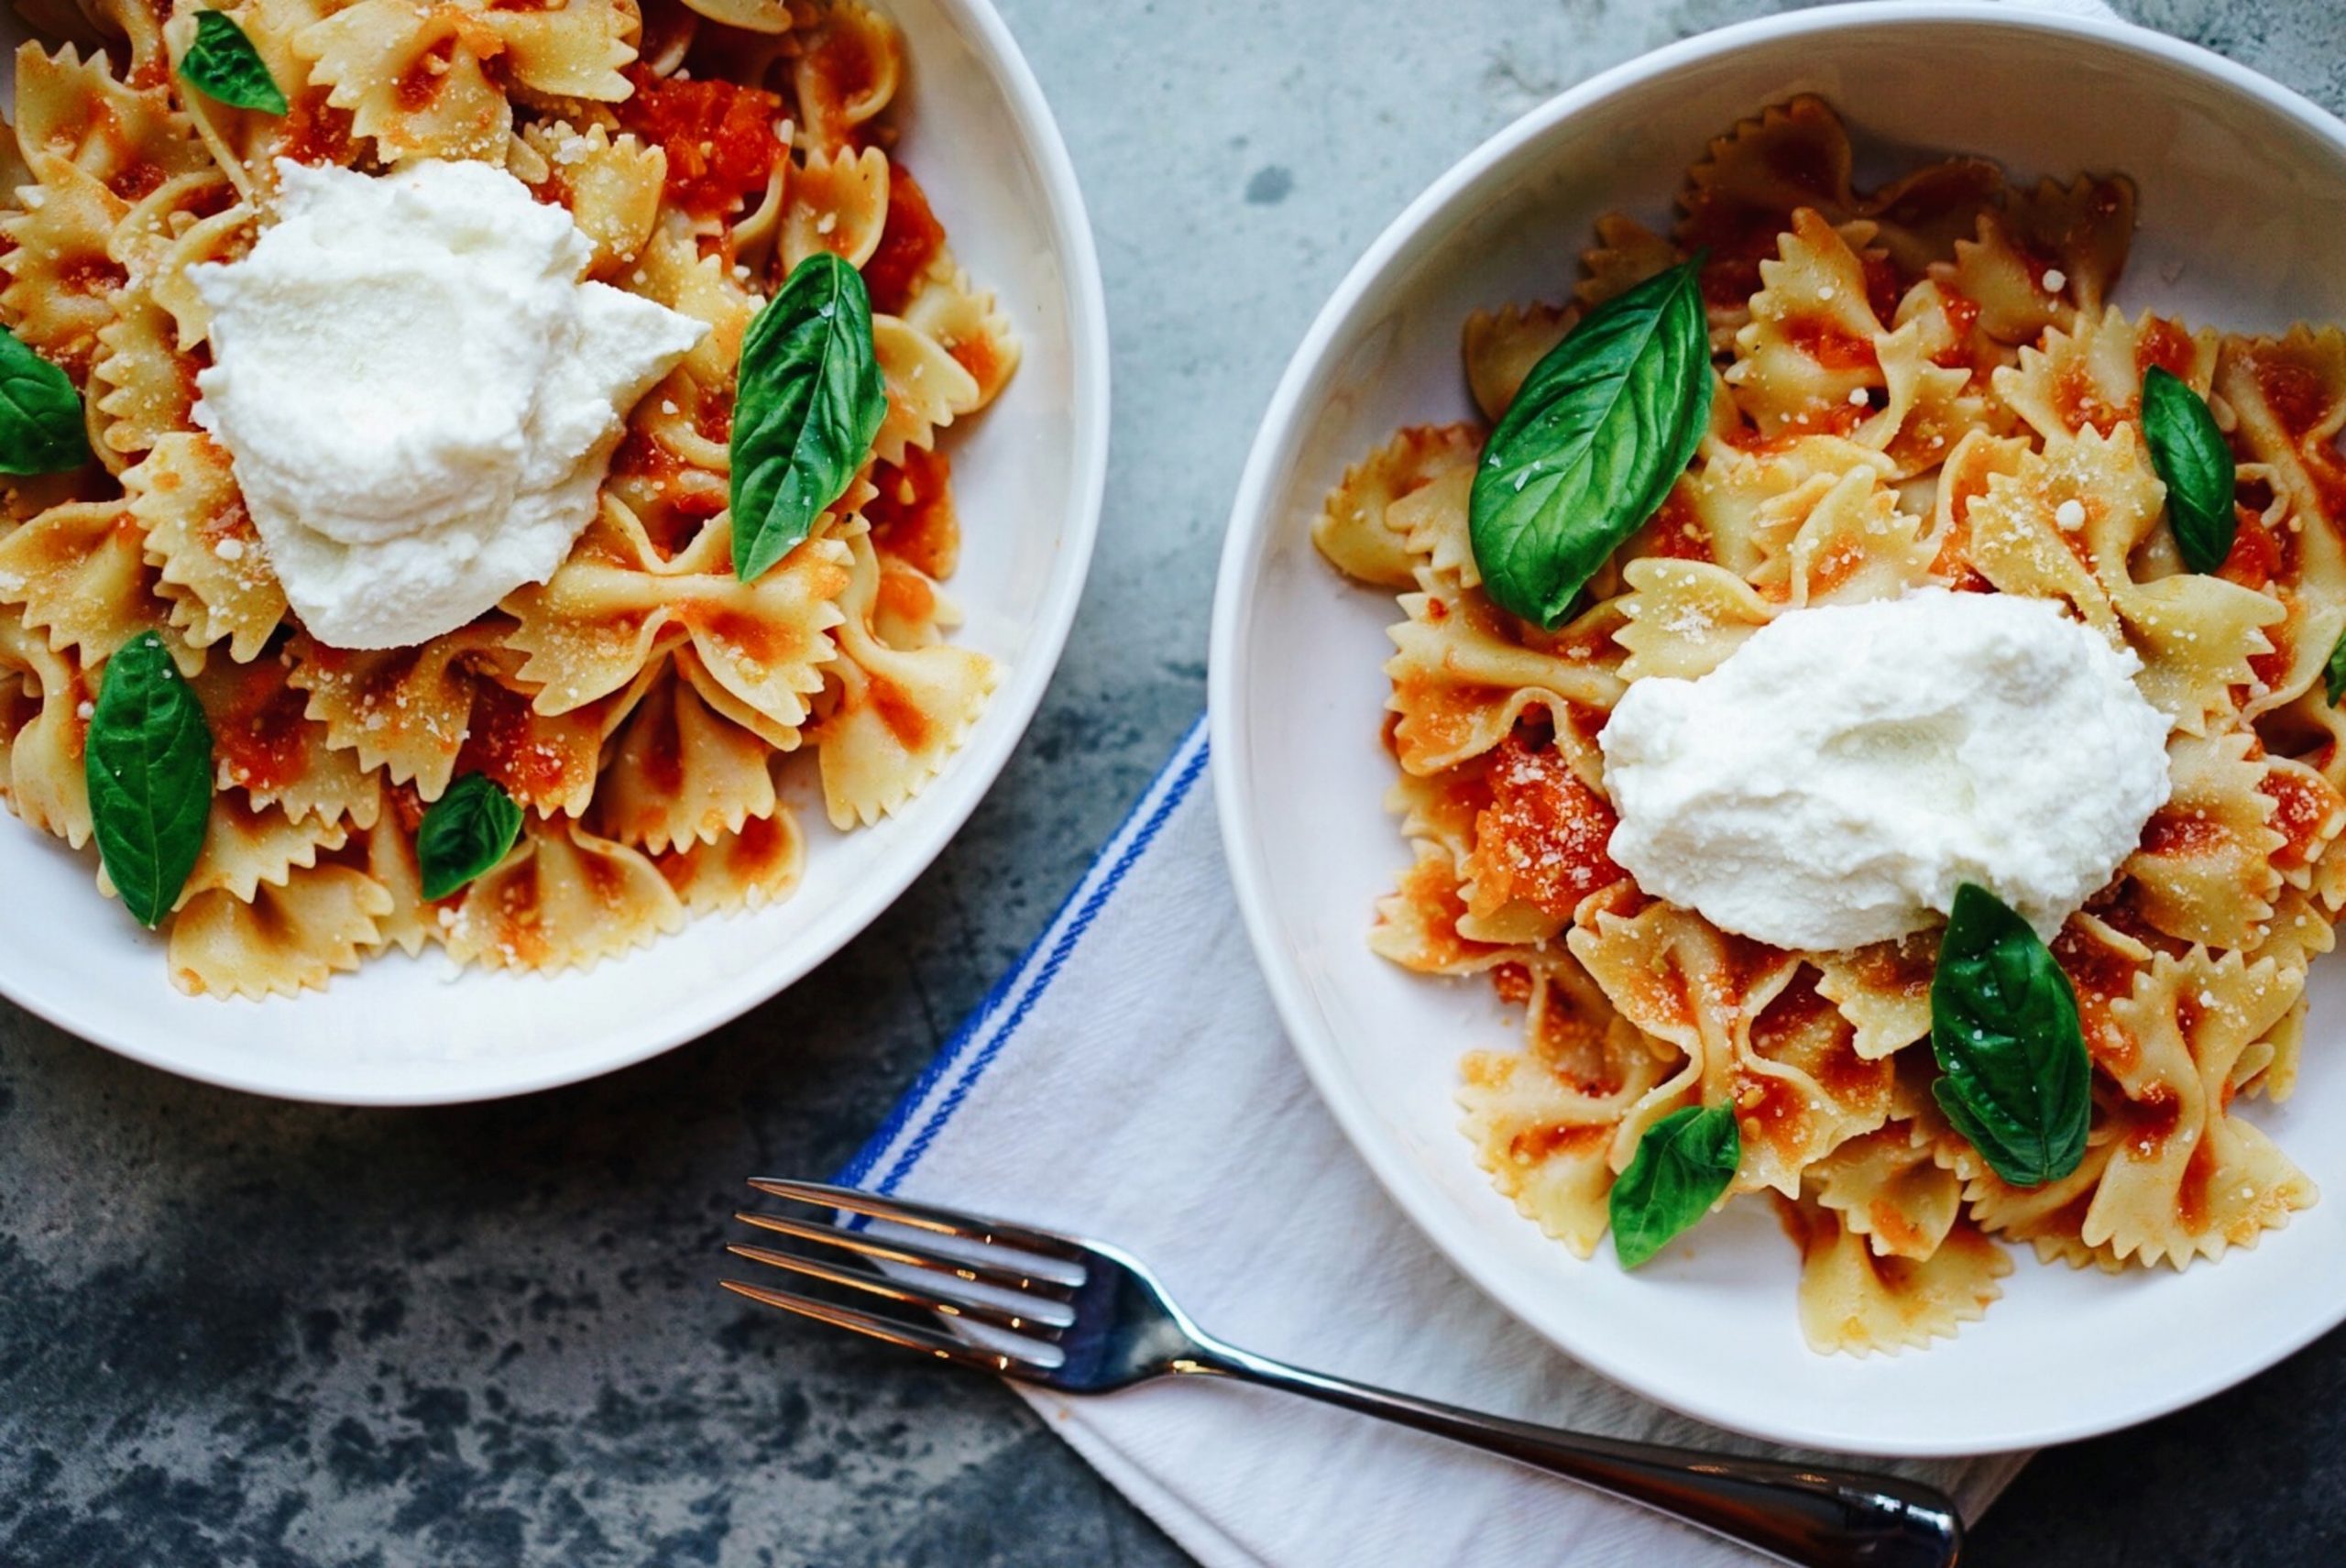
(239, 1332)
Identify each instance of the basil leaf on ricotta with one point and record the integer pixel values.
(42, 427)
(148, 762)
(2014, 1076)
(223, 64)
(1683, 1167)
(810, 399)
(465, 832)
(2192, 458)
(1601, 429)
(2333, 681)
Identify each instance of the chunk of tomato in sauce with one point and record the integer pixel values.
(719, 135)
(910, 238)
(1543, 839)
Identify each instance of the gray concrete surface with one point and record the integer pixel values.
(244, 1332)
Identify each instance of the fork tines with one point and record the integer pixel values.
(961, 1268)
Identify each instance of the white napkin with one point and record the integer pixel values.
(1128, 1080)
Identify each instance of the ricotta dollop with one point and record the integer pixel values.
(1836, 779)
(417, 394)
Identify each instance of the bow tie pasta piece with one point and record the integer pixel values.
(2186, 1177)
(2205, 871)
(963, 319)
(2084, 229)
(138, 389)
(610, 186)
(265, 743)
(679, 773)
(1855, 1300)
(1682, 981)
(1542, 1120)
(897, 713)
(749, 870)
(61, 276)
(322, 921)
(594, 627)
(210, 560)
(2199, 638)
(1841, 541)
(1886, 1187)
(1919, 216)
(2309, 812)
(1682, 619)
(415, 82)
(1625, 254)
(1883, 990)
(1464, 674)
(1356, 528)
(838, 201)
(75, 110)
(79, 572)
(927, 389)
(2093, 374)
(1741, 197)
(1807, 359)
(845, 74)
(45, 697)
(563, 899)
(2300, 933)
(1501, 346)
(1800, 1089)
(425, 714)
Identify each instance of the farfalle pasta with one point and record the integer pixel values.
(640, 703)
(1928, 386)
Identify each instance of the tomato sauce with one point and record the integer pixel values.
(2256, 557)
(912, 516)
(719, 135)
(2301, 809)
(506, 739)
(258, 733)
(1543, 839)
(909, 240)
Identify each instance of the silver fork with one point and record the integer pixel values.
(1083, 1318)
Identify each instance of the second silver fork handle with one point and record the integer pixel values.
(1815, 1515)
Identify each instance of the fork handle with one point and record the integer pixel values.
(1810, 1515)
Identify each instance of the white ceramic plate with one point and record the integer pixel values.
(2243, 197)
(1028, 479)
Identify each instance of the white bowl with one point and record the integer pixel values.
(1028, 479)
(2243, 197)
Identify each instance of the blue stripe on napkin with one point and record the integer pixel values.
(918, 1118)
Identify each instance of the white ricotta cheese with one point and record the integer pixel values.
(1845, 770)
(418, 393)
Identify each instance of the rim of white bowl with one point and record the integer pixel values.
(970, 774)
(1238, 577)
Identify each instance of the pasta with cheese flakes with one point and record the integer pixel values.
(1933, 384)
(641, 703)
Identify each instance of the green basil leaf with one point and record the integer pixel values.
(2333, 682)
(223, 63)
(41, 428)
(1603, 427)
(149, 764)
(1683, 1167)
(810, 399)
(2014, 1078)
(2191, 456)
(465, 832)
